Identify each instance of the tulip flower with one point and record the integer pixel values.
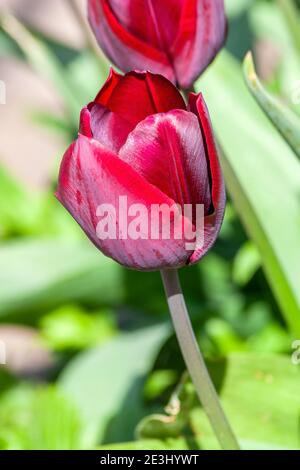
(175, 38)
(139, 140)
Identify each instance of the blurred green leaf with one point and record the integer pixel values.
(269, 27)
(87, 75)
(18, 208)
(287, 122)
(223, 336)
(216, 277)
(292, 18)
(272, 338)
(38, 419)
(246, 263)
(261, 396)
(234, 8)
(255, 317)
(70, 327)
(149, 444)
(37, 274)
(52, 122)
(106, 383)
(263, 178)
(158, 382)
(32, 213)
(161, 426)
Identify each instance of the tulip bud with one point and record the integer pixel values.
(175, 38)
(140, 149)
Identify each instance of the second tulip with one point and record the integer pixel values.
(175, 38)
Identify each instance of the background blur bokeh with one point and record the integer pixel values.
(91, 360)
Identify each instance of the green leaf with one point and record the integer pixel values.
(272, 338)
(260, 394)
(246, 263)
(87, 74)
(234, 8)
(263, 178)
(272, 418)
(266, 21)
(285, 120)
(52, 122)
(32, 213)
(223, 336)
(18, 208)
(149, 444)
(70, 327)
(292, 18)
(40, 274)
(38, 419)
(106, 383)
(158, 382)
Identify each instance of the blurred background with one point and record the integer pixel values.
(89, 357)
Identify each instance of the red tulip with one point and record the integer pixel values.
(176, 38)
(138, 139)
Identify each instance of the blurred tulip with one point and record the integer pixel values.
(176, 38)
(138, 139)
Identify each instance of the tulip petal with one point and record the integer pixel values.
(155, 22)
(124, 49)
(90, 175)
(202, 33)
(212, 222)
(112, 118)
(108, 87)
(108, 128)
(168, 151)
(140, 94)
(85, 122)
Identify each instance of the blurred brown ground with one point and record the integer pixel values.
(26, 149)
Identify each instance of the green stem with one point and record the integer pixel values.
(195, 362)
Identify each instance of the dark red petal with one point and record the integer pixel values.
(140, 94)
(108, 128)
(167, 149)
(85, 123)
(154, 22)
(124, 49)
(214, 221)
(108, 88)
(202, 34)
(90, 175)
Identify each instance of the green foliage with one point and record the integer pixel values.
(106, 383)
(18, 209)
(70, 327)
(40, 274)
(38, 419)
(246, 264)
(261, 394)
(268, 166)
(287, 122)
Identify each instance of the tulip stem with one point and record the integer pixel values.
(194, 361)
